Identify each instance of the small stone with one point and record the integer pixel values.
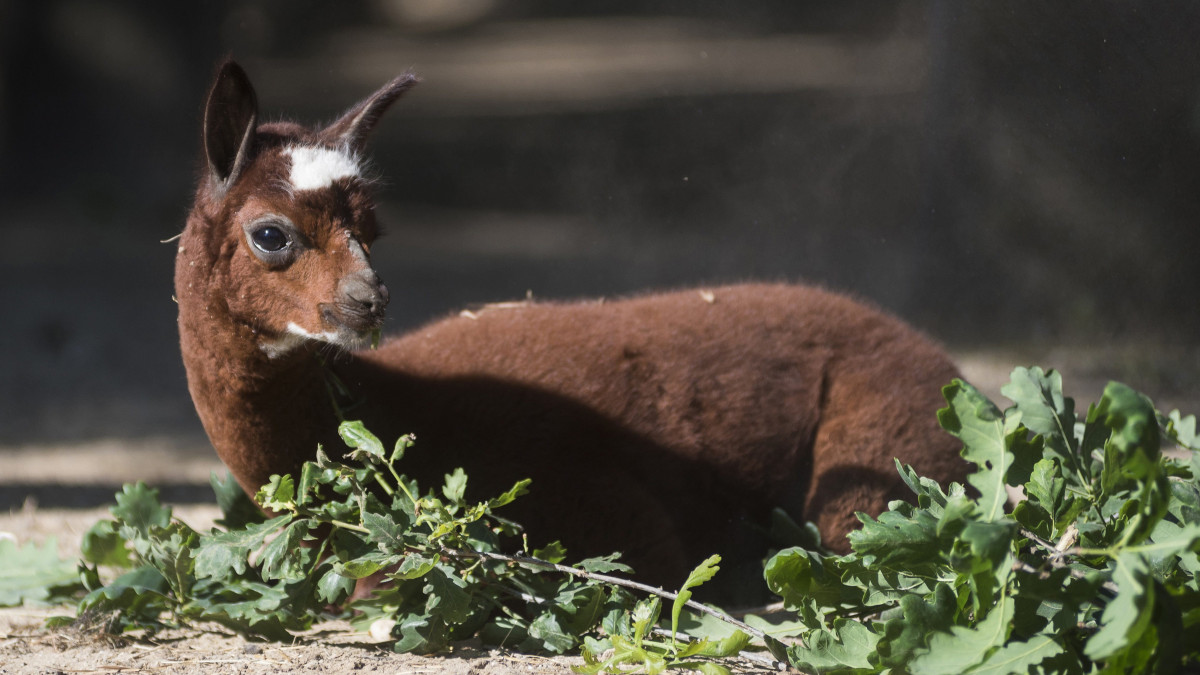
(381, 630)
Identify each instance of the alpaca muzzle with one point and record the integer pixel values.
(359, 307)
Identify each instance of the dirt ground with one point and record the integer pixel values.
(67, 486)
(26, 648)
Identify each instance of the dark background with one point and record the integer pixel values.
(1005, 176)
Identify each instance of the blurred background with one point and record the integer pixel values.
(1020, 181)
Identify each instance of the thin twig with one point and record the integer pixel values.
(749, 656)
(1054, 552)
(616, 581)
(1055, 559)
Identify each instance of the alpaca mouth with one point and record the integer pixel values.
(353, 321)
(346, 324)
(342, 337)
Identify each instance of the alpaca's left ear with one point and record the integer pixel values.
(351, 129)
(230, 116)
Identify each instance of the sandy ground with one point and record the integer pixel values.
(330, 648)
(58, 491)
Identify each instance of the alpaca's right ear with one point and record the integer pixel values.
(229, 123)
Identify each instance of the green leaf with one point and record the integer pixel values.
(520, 488)
(1040, 406)
(1129, 614)
(581, 607)
(1046, 485)
(171, 551)
(283, 558)
(604, 564)
(964, 648)
(415, 566)
(554, 552)
(333, 588)
(224, 552)
(847, 645)
(1049, 601)
(386, 531)
(1033, 517)
(33, 573)
(365, 446)
(278, 495)
(1182, 430)
(778, 626)
(990, 542)
(136, 599)
(1019, 657)
(920, 617)
(553, 638)
(979, 424)
(729, 645)
(103, 545)
(366, 565)
(1131, 417)
(456, 486)
(448, 597)
(1177, 540)
(929, 494)
(809, 583)
(249, 607)
(702, 573)
(138, 507)
(420, 634)
(899, 538)
(644, 616)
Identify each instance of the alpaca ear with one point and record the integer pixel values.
(229, 123)
(352, 129)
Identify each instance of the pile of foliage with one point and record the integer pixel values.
(1096, 569)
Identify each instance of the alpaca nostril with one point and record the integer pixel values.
(375, 297)
(375, 300)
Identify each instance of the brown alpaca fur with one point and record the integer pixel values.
(666, 426)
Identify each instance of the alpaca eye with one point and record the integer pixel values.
(270, 239)
(274, 240)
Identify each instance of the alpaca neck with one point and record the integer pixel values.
(261, 413)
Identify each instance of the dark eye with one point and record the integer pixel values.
(269, 239)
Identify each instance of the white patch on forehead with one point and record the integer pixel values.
(316, 168)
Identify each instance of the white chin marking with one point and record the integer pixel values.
(327, 336)
(316, 168)
(296, 336)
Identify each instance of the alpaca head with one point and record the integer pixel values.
(279, 237)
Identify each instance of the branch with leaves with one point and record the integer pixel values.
(961, 584)
(1096, 569)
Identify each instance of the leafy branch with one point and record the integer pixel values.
(1096, 569)
(437, 557)
(960, 583)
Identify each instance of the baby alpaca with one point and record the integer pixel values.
(666, 426)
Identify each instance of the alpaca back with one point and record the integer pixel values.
(696, 410)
